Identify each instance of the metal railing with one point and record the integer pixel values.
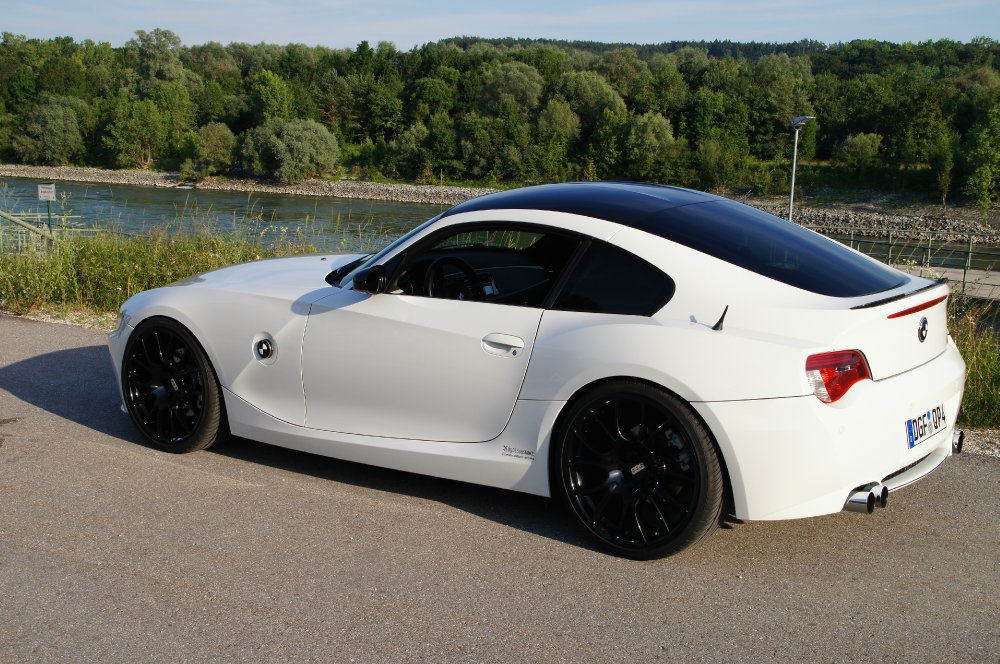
(24, 232)
(966, 259)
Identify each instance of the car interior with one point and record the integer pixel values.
(503, 266)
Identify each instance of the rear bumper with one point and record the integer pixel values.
(798, 457)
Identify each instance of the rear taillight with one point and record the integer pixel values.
(832, 374)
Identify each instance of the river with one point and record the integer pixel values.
(327, 222)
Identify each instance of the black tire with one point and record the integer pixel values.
(170, 389)
(638, 469)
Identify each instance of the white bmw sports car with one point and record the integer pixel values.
(656, 357)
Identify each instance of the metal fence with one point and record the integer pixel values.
(970, 262)
(24, 232)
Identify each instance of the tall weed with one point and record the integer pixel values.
(973, 327)
(99, 273)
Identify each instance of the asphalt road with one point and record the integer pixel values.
(112, 551)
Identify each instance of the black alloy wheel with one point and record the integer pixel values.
(170, 389)
(638, 469)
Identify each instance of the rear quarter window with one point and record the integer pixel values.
(773, 247)
(610, 280)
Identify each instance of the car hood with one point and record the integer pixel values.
(287, 278)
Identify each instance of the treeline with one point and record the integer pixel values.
(707, 114)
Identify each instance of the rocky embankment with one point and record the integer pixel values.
(838, 219)
(848, 219)
(377, 191)
(81, 174)
(402, 193)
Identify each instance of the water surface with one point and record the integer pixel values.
(328, 222)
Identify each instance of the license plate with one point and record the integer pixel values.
(925, 425)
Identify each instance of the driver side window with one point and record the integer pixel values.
(503, 264)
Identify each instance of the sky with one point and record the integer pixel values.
(345, 23)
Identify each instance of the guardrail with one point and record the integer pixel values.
(972, 260)
(19, 235)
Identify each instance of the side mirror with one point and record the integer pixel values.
(371, 280)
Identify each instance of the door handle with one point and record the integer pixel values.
(504, 345)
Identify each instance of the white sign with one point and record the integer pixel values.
(47, 191)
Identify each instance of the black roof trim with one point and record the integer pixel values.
(626, 203)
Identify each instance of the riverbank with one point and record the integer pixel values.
(865, 217)
(374, 191)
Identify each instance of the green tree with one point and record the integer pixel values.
(270, 97)
(606, 148)
(714, 165)
(177, 112)
(517, 81)
(430, 95)
(63, 74)
(8, 124)
(557, 121)
(623, 69)
(51, 134)
(647, 148)
(290, 150)
(941, 152)
(216, 65)
(589, 95)
(384, 110)
(476, 144)
(411, 147)
(20, 89)
(216, 145)
(136, 133)
(778, 91)
(859, 152)
(984, 161)
(158, 54)
(441, 140)
(211, 103)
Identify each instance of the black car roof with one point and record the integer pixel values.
(713, 225)
(626, 203)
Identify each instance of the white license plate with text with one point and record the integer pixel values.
(925, 425)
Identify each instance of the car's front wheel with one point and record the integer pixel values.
(170, 388)
(638, 469)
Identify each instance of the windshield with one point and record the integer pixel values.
(376, 258)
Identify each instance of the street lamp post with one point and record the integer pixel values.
(797, 123)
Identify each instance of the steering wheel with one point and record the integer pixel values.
(434, 280)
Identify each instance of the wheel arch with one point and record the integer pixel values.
(560, 422)
(153, 319)
(176, 315)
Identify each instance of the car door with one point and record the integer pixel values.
(404, 365)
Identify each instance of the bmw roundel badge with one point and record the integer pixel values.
(922, 330)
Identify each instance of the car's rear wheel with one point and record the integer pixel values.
(170, 388)
(638, 469)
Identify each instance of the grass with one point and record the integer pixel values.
(973, 325)
(98, 273)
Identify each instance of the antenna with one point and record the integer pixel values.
(718, 326)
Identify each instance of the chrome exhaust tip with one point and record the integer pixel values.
(867, 499)
(957, 441)
(861, 501)
(881, 493)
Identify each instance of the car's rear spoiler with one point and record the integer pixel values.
(900, 296)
